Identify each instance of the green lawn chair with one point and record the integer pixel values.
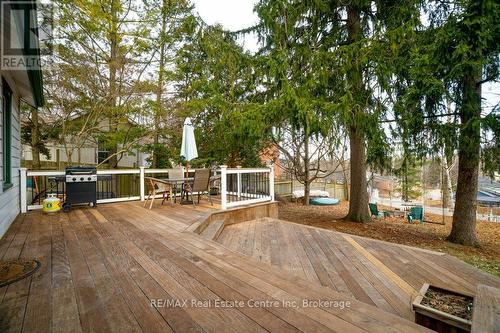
(416, 213)
(375, 212)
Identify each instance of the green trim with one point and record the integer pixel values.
(7, 186)
(35, 75)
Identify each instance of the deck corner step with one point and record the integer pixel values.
(213, 230)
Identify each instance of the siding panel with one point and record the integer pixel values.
(9, 200)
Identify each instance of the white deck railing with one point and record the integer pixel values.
(242, 186)
(238, 187)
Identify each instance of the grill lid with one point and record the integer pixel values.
(81, 170)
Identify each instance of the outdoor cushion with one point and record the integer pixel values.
(323, 201)
(313, 193)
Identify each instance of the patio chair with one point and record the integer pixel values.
(199, 185)
(375, 212)
(177, 173)
(157, 186)
(416, 213)
(215, 185)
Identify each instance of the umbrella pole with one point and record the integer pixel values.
(187, 195)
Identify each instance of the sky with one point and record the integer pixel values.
(231, 14)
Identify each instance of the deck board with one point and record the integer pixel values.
(15, 296)
(103, 268)
(375, 272)
(65, 315)
(486, 316)
(39, 301)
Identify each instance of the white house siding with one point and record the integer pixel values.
(134, 159)
(9, 200)
(88, 155)
(84, 155)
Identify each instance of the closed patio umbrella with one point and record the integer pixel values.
(188, 149)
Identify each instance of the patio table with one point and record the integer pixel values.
(175, 182)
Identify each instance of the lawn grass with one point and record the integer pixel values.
(397, 230)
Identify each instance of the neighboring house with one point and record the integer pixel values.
(87, 153)
(385, 185)
(15, 85)
(488, 193)
(272, 155)
(434, 194)
(337, 177)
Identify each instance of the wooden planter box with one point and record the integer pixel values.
(437, 320)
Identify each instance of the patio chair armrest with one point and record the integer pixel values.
(156, 180)
(160, 183)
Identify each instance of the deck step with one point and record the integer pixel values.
(213, 230)
(486, 316)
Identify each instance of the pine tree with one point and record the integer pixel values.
(294, 66)
(216, 86)
(329, 63)
(456, 54)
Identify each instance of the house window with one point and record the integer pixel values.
(102, 155)
(6, 134)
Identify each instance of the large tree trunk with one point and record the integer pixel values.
(358, 198)
(463, 230)
(35, 140)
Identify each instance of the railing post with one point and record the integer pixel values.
(23, 174)
(223, 185)
(271, 181)
(141, 181)
(238, 179)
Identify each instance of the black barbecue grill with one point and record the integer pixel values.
(81, 186)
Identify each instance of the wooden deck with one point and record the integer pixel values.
(104, 270)
(378, 273)
(486, 310)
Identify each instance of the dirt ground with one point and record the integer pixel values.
(442, 300)
(398, 230)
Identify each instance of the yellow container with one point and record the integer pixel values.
(51, 204)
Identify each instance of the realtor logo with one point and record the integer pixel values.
(26, 34)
